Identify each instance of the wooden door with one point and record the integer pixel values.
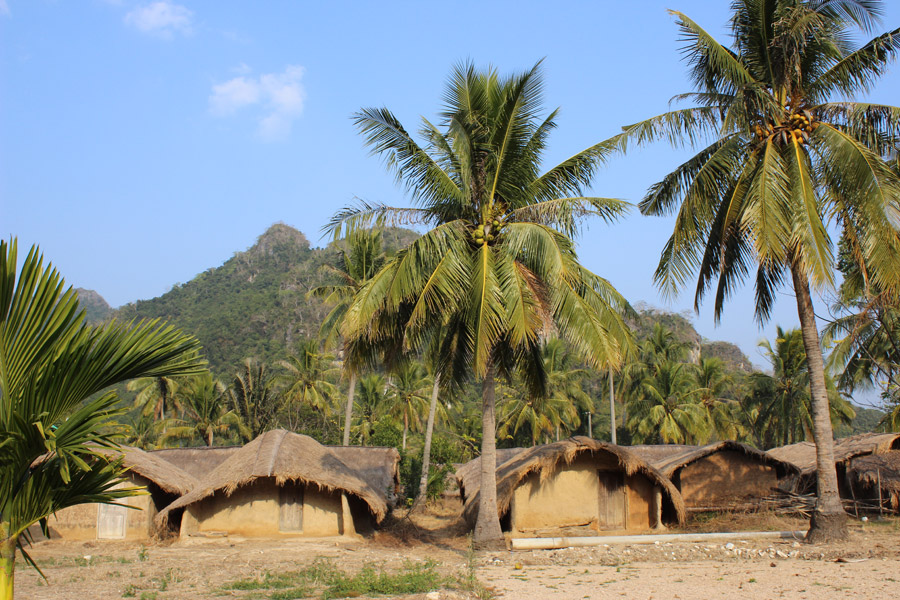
(290, 508)
(612, 500)
(112, 521)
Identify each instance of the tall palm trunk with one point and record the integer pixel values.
(348, 412)
(7, 562)
(405, 427)
(429, 429)
(487, 527)
(829, 521)
(612, 408)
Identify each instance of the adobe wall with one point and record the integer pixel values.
(79, 523)
(724, 478)
(253, 511)
(570, 498)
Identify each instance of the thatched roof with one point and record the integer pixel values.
(658, 453)
(803, 454)
(285, 457)
(873, 469)
(671, 465)
(167, 476)
(379, 465)
(200, 461)
(468, 476)
(549, 458)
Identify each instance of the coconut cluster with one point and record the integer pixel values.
(797, 128)
(487, 232)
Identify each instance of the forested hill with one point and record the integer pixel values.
(255, 304)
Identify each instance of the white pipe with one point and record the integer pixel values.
(570, 542)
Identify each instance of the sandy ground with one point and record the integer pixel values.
(867, 566)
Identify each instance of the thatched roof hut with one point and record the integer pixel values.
(279, 471)
(725, 475)
(876, 478)
(163, 482)
(468, 476)
(538, 486)
(803, 454)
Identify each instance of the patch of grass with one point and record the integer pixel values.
(129, 591)
(143, 554)
(149, 595)
(324, 577)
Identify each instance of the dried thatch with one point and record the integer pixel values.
(877, 469)
(658, 453)
(547, 459)
(199, 462)
(672, 464)
(468, 476)
(285, 457)
(167, 476)
(803, 454)
(379, 465)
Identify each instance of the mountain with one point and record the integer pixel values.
(255, 304)
(96, 309)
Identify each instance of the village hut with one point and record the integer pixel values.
(726, 475)
(468, 475)
(379, 465)
(162, 484)
(803, 456)
(875, 480)
(280, 483)
(657, 453)
(580, 482)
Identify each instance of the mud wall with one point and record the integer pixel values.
(254, 511)
(82, 522)
(726, 478)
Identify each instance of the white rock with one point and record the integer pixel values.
(729, 546)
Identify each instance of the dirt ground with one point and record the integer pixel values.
(867, 566)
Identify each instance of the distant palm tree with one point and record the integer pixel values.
(779, 159)
(155, 395)
(783, 409)
(723, 413)
(409, 394)
(498, 267)
(362, 258)
(205, 413)
(371, 405)
(306, 377)
(669, 410)
(254, 399)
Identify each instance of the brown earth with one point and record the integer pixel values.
(867, 566)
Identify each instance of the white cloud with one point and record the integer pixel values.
(161, 18)
(279, 98)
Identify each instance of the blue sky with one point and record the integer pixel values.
(143, 142)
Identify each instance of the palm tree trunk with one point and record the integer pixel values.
(429, 429)
(612, 408)
(488, 534)
(7, 562)
(829, 521)
(210, 438)
(348, 412)
(405, 428)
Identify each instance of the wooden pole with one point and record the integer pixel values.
(880, 506)
(612, 408)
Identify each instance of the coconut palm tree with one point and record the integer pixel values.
(781, 158)
(669, 410)
(782, 401)
(372, 404)
(253, 398)
(723, 413)
(306, 379)
(54, 412)
(205, 415)
(357, 263)
(409, 395)
(155, 395)
(498, 267)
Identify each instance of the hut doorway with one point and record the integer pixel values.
(112, 520)
(290, 508)
(611, 500)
